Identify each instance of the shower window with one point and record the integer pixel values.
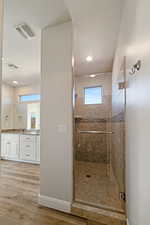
(93, 95)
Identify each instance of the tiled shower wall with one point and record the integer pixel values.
(93, 147)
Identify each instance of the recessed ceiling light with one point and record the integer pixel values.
(92, 75)
(15, 82)
(89, 58)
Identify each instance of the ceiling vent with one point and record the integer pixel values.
(13, 66)
(25, 31)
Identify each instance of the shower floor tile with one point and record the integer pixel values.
(94, 187)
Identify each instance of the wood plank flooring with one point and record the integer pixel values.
(19, 189)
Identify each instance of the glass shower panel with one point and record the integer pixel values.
(94, 180)
(118, 131)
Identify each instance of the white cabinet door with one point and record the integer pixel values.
(13, 152)
(6, 146)
(38, 148)
(10, 146)
(3, 149)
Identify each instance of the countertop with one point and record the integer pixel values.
(21, 132)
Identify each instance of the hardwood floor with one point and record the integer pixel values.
(19, 189)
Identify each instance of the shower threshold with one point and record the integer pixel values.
(97, 215)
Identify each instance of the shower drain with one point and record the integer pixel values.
(88, 175)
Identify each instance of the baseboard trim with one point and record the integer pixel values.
(19, 160)
(55, 203)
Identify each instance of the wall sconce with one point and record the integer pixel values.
(136, 67)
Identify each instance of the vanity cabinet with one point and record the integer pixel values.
(10, 146)
(19, 147)
(28, 147)
(38, 148)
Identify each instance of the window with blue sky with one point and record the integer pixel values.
(30, 98)
(93, 95)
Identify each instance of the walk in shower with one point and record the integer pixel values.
(98, 143)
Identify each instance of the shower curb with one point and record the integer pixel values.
(98, 215)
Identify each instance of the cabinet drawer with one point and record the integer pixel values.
(27, 147)
(27, 138)
(27, 151)
(27, 156)
(11, 137)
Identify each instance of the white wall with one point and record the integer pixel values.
(7, 106)
(134, 43)
(56, 117)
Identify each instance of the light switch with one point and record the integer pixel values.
(62, 128)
